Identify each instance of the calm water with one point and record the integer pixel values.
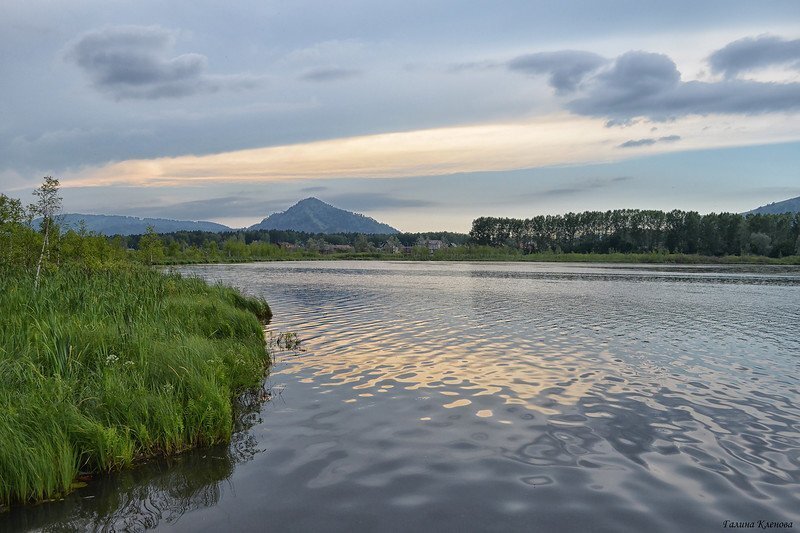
(507, 397)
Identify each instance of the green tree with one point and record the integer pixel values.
(393, 245)
(760, 243)
(361, 243)
(151, 248)
(420, 252)
(12, 220)
(47, 206)
(314, 245)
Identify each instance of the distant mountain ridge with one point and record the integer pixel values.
(125, 225)
(792, 205)
(315, 216)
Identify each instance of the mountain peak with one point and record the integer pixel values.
(312, 215)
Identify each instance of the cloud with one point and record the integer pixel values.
(579, 187)
(329, 74)
(473, 66)
(753, 53)
(209, 208)
(369, 201)
(437, 151)
(256, 207)
(649, 141)
(567, 68)
(645, 84)
(134, 62)
(531, 143)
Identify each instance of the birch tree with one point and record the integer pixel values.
(47, 206)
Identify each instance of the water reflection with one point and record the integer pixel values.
(461, 397)
(156, 493)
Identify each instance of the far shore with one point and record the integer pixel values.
(619, 258)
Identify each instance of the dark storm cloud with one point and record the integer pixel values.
(330, 74)
(134, 62)
(753, 53)
(644, 84)
(567, 68)
(633, 143)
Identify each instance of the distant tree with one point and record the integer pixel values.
(211, 249)
(314, 245)
(151, 248)
(12, 218)
(361, 243)
(393, 244)
(760, 243)
(47, 206)
(420, 252)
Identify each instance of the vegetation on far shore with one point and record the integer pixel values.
(104, 361)
(487, 254)
(621, 236)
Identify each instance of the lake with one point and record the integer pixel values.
(493, 397)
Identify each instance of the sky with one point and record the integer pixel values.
(421, 114)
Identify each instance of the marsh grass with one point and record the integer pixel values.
(101, 368)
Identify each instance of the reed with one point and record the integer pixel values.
(100, 368)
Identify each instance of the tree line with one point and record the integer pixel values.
(201, 239)
(244, 245)
(644, 231)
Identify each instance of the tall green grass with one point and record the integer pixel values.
(101, 368)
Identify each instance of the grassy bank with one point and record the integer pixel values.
(100, 368)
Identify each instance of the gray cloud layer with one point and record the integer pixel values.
(650, 141)
(330, 74)
(226, 206)
(580, 187)
(134, 62)
(257, 205)
(566, 68)
(751, 53)
(369, 201)
(644, 84)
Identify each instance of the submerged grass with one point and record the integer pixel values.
(99, 369)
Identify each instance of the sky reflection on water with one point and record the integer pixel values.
(515, 397)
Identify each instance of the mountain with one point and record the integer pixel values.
(315, 216)
(122, 225)
(792, 205)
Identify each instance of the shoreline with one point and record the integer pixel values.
(666, 259)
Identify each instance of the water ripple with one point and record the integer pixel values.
(481, 397)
